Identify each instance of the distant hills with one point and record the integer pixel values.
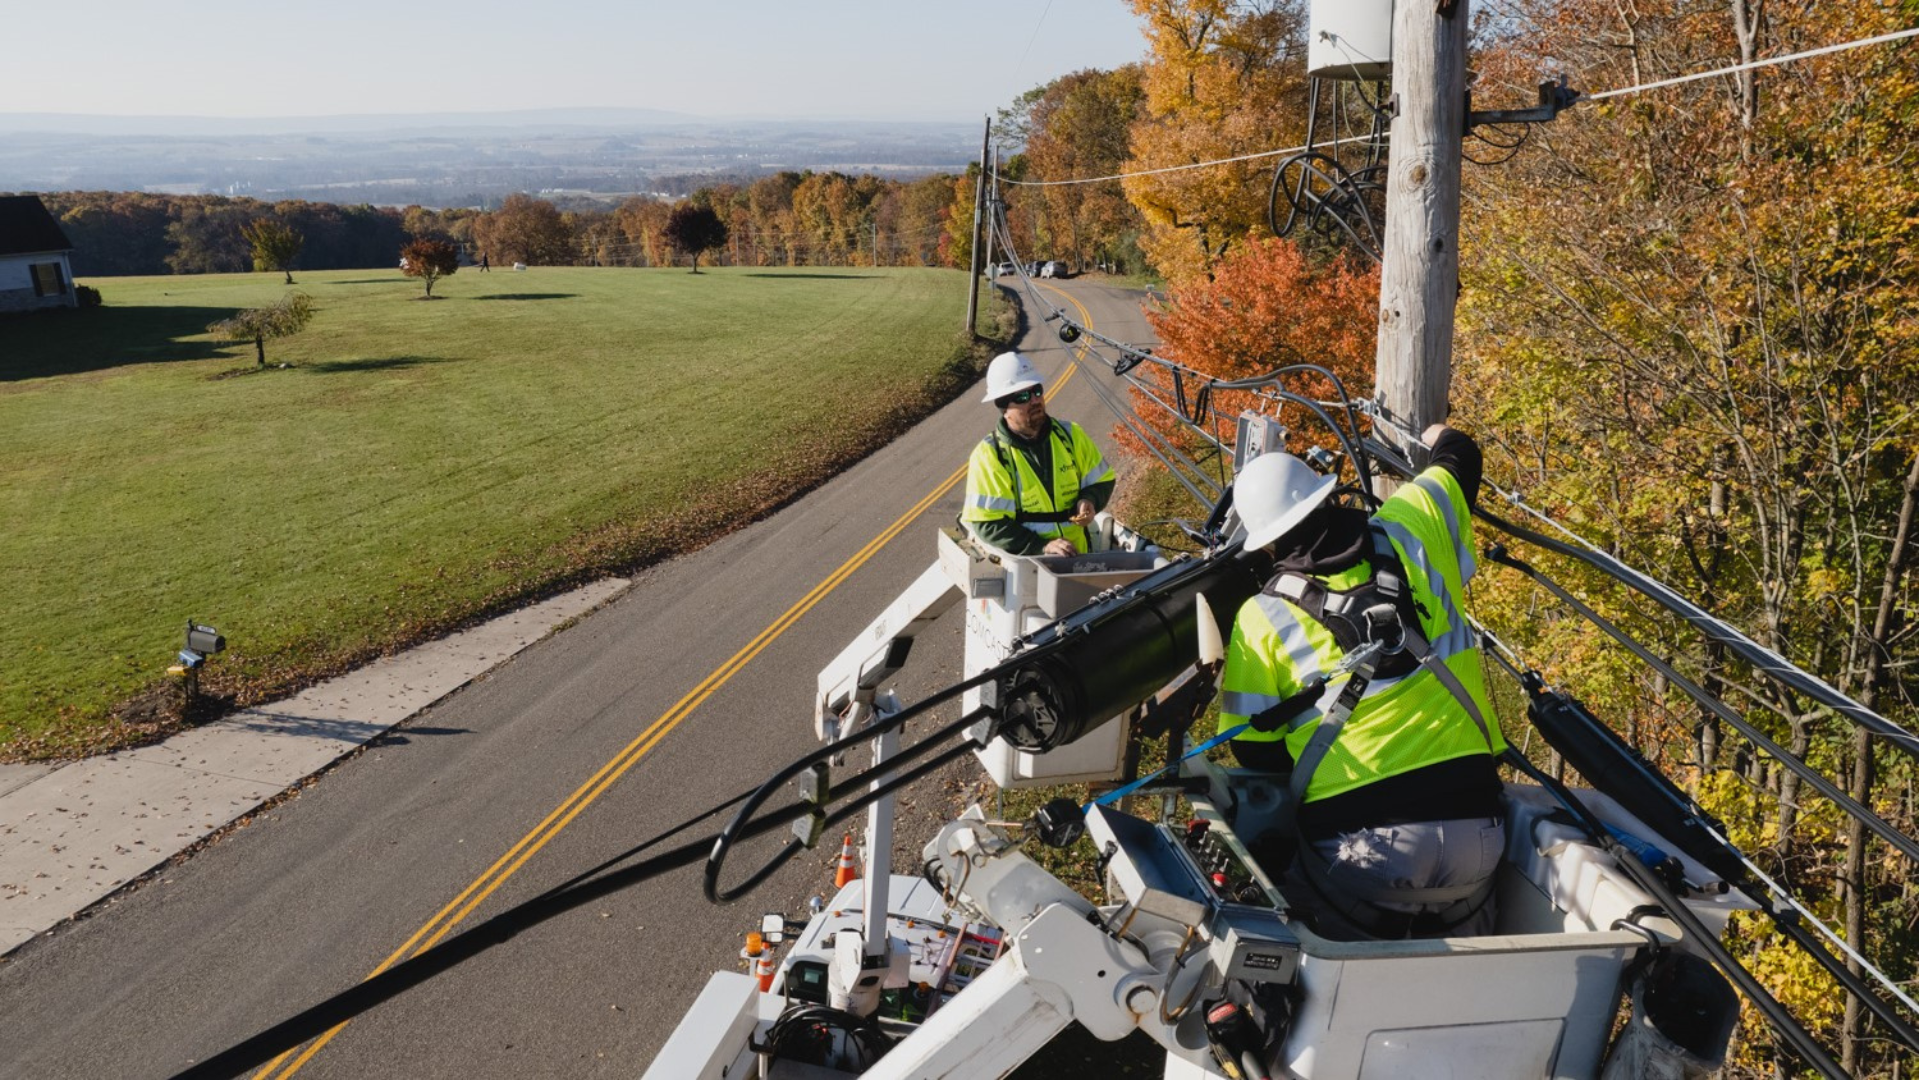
(86, 124)
(454, 159)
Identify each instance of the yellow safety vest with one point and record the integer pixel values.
(1001, 483)
(1400, 724)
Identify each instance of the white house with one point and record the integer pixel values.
(34, 271)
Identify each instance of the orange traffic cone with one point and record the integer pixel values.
(847, 870)
(759, 958)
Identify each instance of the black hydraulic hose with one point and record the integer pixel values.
(320, 1018)
(1788, 923)
(723, 844)
(317, 1020)
(1616, 768)
(1865, 816)
(1763, 660)
(1776, 1014)
(932, 764)
(1339, 386)
(1349, 442)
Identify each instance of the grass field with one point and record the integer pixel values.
(417, 464)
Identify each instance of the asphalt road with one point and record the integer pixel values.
(690, 688)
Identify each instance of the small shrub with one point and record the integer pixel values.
(87, 295)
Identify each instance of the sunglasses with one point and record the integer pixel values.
(1021, 398)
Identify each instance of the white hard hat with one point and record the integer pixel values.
(1009, 373)
(1274, 492)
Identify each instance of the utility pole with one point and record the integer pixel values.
(993, 207)
(1420, 256)
(973, 254)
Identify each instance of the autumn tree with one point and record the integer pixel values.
(284, 318)
(641, 221)
(1079, 127)
(1687, 328)
(1225, 78)
(770, 205)
(1267, 306)
(525, 229)
(692, 230)
(430, 260)
(919, 220)
(275, 244)
(206, 236)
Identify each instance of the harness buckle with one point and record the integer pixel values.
(1380, 619)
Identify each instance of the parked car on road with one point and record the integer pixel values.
(1053, 269)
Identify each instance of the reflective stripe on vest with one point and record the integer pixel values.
(1398, 725)
(1013, 489)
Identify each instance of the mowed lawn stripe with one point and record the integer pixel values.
(419, 463)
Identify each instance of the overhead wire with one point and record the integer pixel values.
(1161, 171)
(1529, 677)
(1601, 96)
(1754, 64)
(1759, 657)
(1161, 448)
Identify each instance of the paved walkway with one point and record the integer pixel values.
(71, 835)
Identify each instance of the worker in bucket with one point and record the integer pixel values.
(1034, 484)
(1359, 677)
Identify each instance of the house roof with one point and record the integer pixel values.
(27, 228)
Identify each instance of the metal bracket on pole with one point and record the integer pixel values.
(1555, 96)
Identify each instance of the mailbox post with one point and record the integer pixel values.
(202, 642)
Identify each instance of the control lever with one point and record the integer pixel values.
(1235, 1041)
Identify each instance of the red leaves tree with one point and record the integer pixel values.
(1267, 306)
(429, 260)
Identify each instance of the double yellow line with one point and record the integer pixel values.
(503, 868)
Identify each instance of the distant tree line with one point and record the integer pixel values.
(120, 232)
(786, 219)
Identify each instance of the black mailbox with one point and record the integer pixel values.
(204, 640)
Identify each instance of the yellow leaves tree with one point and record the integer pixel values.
(1225, 78)
(1687, 326)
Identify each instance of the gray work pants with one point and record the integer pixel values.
(1363, 868)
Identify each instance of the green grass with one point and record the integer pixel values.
(418, 464)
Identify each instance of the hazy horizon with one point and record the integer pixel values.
(767, 61)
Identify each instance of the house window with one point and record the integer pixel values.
(48, 280)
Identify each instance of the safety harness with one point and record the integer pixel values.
(1021, 515)
(1377, 626)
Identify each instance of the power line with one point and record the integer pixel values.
(1769, 62)
(1895, 36)
(1170, 168)
(1024, 53)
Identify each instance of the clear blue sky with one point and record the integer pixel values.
(882, 59)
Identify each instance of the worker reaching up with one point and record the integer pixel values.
(1396, 800)
(1034, 484)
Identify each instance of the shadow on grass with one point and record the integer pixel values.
(528, 296)
(76, 340)
(850, 277)
(394, 280)
(382, 363)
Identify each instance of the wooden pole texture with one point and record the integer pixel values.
(979, 200)
(1420, 264)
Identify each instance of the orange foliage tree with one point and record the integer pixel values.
(1267, 306)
